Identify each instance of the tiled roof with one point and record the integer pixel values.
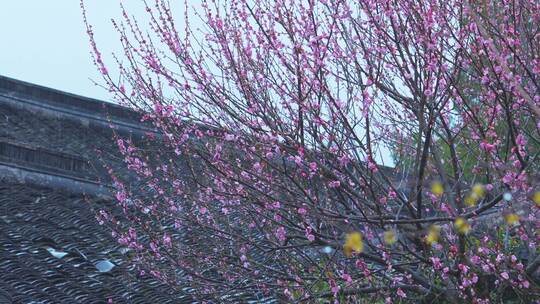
(52, 248)
(53, 251)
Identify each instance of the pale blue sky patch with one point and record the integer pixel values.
(45, 42)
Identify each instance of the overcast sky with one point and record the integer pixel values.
(45, 42)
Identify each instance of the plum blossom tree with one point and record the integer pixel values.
(276, 118)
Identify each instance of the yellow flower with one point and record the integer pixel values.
(462, 226)
(433, 234)
(478, 190)
(512, 219)
(437, 188)
(470, 201)
(390, 237)
(353, 242)
(536, 198)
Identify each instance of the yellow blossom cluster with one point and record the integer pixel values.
(478, 191)
(437, 188)
(353, 242)
(536, 198)
(511, 219)
(433, 234)
(390, 237)
(462, 226)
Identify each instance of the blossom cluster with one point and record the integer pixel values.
(370, 150)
